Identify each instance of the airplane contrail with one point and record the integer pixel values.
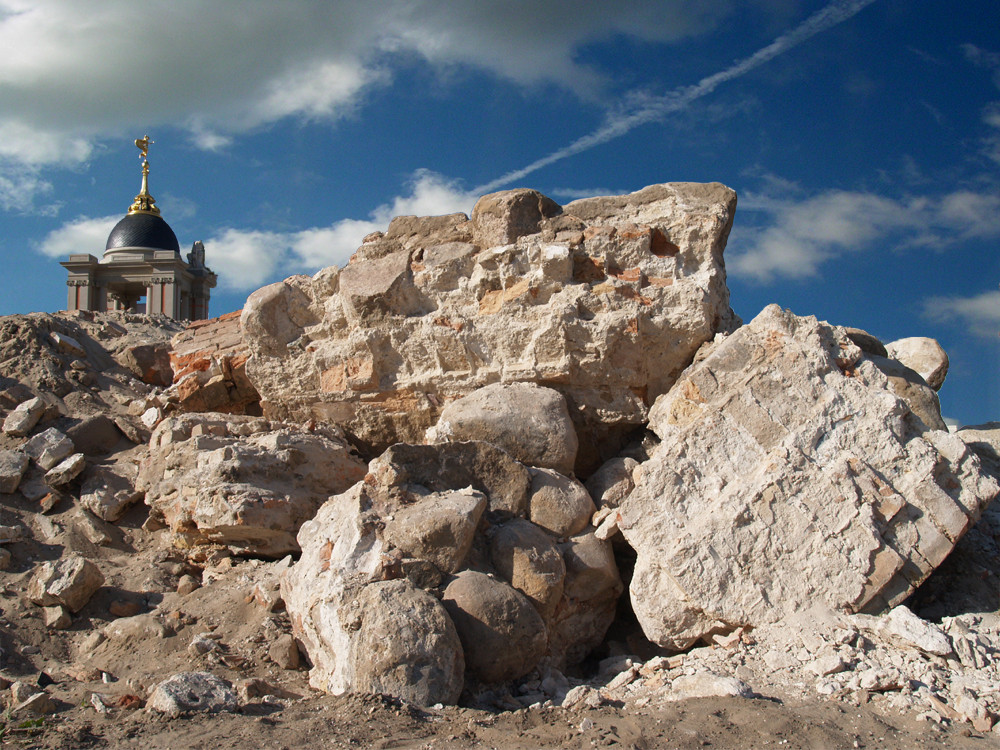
(656, 108)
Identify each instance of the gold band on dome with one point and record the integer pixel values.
(144, 203)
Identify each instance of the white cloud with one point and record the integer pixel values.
(21, 187)
(979, 313)
(801, 234)
(247, 259)
(82, 235)
(74, 72)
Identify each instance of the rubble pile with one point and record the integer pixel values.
(434, 474)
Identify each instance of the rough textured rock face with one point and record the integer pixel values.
(605, 300)
(69, 582)
(789, 474)
(241, 481)
(208, 361)
(424, 670)
(924, 355)
(444, 522)
(528, 421)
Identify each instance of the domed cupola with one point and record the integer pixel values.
(142, 229)
(142, 270)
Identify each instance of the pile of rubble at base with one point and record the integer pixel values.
(475, 436)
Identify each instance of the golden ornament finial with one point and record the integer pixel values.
(144, 203)
(143, 144)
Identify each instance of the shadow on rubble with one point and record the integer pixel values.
(968, 581)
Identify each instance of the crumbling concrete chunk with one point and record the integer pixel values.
(69, 581)
(454, 466)
(251, 492)
(66, 471)
(48, 448)
(605, 306)
(67, 344)
(528, 421)
(404, 644)
(501, 631)
(438, 527)
(193, 692)
(559, 504)
(500, 218)
(23, 418)
(107, 494)
(789, 475)
(13, 464)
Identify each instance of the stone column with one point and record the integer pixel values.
(78, 294)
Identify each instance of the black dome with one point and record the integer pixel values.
(143, 230)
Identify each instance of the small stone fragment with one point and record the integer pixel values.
(13, 464)
(66, 471)
(48, 448)
(56, 617)
(39, 704)
(284, 652)
(124, 608)
(24, 417)
(186, 584)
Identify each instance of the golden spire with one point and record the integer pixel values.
(144, 203)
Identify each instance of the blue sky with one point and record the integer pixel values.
(863, 139)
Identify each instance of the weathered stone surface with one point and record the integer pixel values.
(284, 652)
(13, 464)
(501, 218)
(708, 685)
(67, 344)
(501, 632)
(56, 617)
(38, 703)
(364, 536)
(242, 482)
(559, 504)
(341, 550)
(454, 466)
(789, 475)
(95, 436)
(866, 342)
(438, 527)
(904, 628)
(590, 598)
(69, 581)
(529, 560)
(193, 692)
(606, 303)
(208, 365)
(984, 440)
(108, 494)
(66, 471)
(924, 355)
(404, 644)
(909, 386)
(23, 418)
(48, 448)
(528, 421)
(148, 362)
(612, 483)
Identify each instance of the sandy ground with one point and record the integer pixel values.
(375, 722)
